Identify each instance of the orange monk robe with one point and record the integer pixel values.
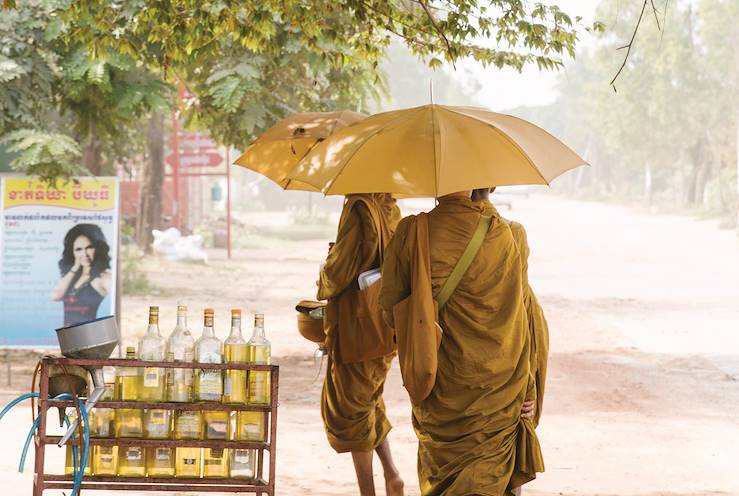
(352, 407)
(472, 440)
(537, 322)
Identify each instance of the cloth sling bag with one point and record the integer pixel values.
(363, 333)
(417, 331)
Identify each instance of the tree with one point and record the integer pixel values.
(669, 133)
(66, 112)
(245, 63)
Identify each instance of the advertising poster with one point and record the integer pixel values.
(58, 256)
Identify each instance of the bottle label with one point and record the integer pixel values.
(217, 429)
(151, 377)
(227, 386)
(163, 454)
(133, 454)
(259, 387)
(210, 383)
(214, 457)
(188, 461)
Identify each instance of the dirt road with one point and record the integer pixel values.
(642, 394)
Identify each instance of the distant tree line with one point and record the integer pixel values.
(668, 135)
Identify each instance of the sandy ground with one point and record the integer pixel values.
(642, 390)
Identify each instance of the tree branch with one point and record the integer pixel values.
(438, 30)
(636, 29)
(656, 17)
(630, 44)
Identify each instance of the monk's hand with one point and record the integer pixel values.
(527, 409)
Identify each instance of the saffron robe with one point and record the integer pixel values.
(472, 440)
(352, 407)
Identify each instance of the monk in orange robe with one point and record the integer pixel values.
(352, 407)
(475, 429)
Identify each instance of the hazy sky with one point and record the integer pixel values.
(504, 89)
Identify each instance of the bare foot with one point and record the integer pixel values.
(394, 487)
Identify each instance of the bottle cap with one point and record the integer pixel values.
(153, 309)
(209, 311)
(131, 349)
(236, 311)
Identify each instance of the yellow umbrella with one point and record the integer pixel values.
(434, 150)
(276, 152)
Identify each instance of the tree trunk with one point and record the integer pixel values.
(92, 153)
(150, 204)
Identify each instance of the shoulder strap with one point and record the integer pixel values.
(468, 255)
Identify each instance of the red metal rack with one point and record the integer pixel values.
(260, 485)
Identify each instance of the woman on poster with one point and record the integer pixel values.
(86, 275)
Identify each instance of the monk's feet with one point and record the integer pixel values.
(394, 486)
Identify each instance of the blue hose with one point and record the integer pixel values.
(78, 473)
(24, 454)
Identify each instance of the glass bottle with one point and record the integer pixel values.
(180, 349)
(105, 460)
(70, 461)
(151, 348)
(160, 462)
(188, 462)
(216, 425)
(243, 463)
(102, 420)
(128, 421)
(187, 424)
(131, 461)
(260, 352)
(252, 426)
(152, 387)
(235, 351)
(215, 463)
(102, 424)
(208, 349)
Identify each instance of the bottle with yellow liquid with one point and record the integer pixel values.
(187, 425)
(235, 351)
(152, 379)
(188, 462)
(216, 425)
(105, 460)
(70, 459)
(102, 420)
(151, 348)
(131, 461)
(208, 349)
(102, 424)
(180, 349)
(160, 462)
(128, 421)
(215, 463)
(260, 352)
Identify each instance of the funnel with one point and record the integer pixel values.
(95, 340)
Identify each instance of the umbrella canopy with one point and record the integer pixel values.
(434, 150)
(276, 152)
